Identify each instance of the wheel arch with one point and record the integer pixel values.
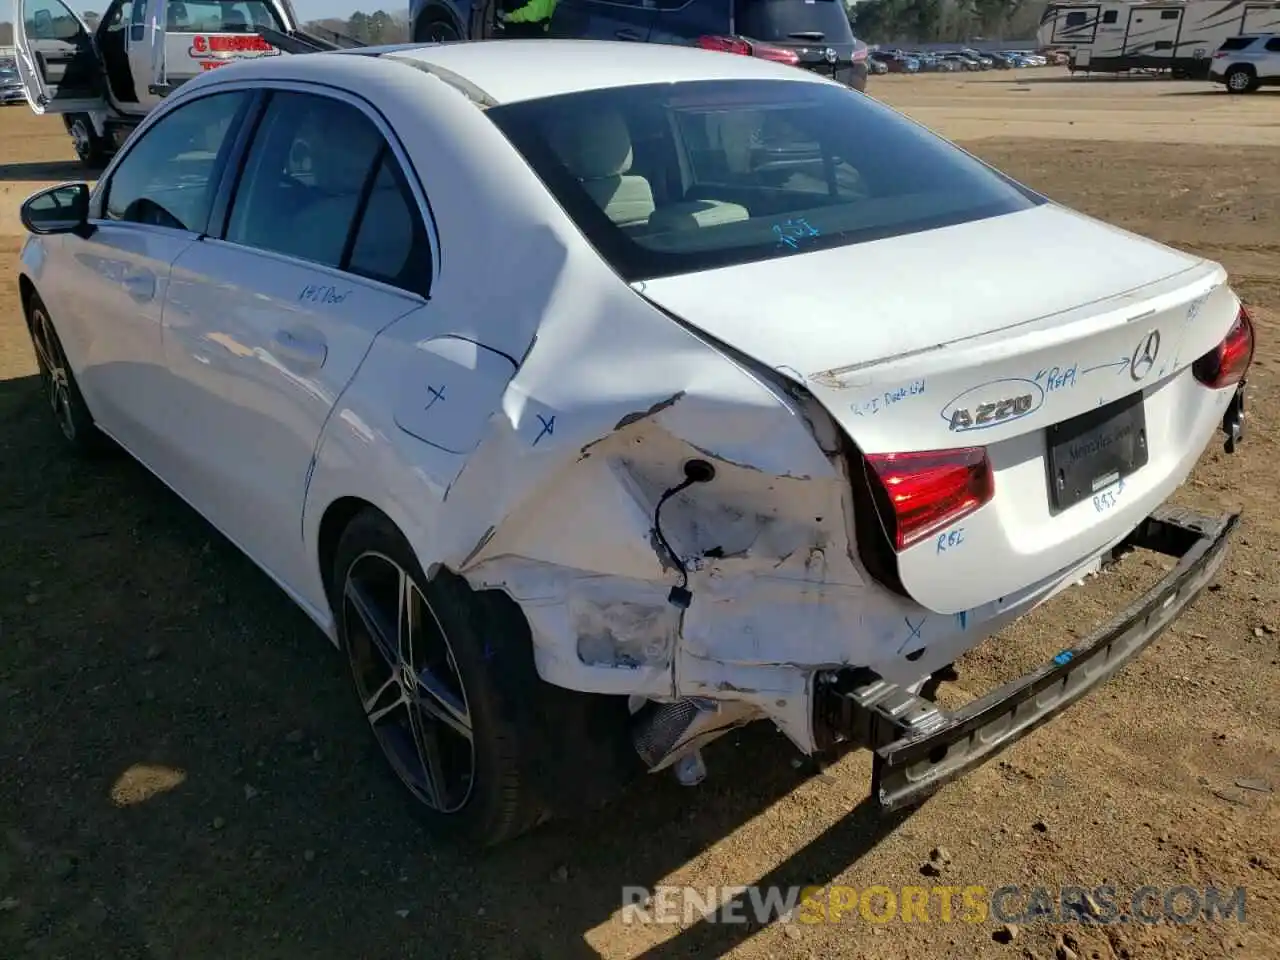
(337, 516)
(26, 294)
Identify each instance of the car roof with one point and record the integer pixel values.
(514, 70)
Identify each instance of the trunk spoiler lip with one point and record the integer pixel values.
(835, 375)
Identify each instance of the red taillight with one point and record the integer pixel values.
(859, 54)
(749, 49)
(1228, 362)
(930, 490)
(1218, 54)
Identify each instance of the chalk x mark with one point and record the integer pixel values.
(548, 428)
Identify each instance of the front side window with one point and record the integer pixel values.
(321, 184)
(118, 16)
(677, 178)
(168, 178)
(52, 20)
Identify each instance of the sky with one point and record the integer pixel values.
(307, 9)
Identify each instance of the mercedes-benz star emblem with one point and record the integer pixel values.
(1144, 355)
(830, 55)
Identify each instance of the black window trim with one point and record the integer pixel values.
(101, 195)
(421, 208)
(634, 264)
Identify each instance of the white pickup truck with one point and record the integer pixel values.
(105, 81)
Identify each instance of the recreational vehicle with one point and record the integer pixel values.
(1181, 37)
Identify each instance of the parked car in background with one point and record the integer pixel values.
(779, 405)
(1243, 64)
(813, 35)
(928, 61)
(965, 61)
(877, 67)
(897, 62)
(10, 85)
(987, 61)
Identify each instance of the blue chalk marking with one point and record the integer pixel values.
(548, 428)
(1118, 365)
(791, 232)
(950, 539)
(962, 618)
(1057, 378)
(435, 395)
(914, 629)
(1066, 656)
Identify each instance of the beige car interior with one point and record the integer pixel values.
(597, 150)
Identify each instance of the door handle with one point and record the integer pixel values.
(300, 352)
(628, 35)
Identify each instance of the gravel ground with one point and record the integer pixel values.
(183, 775)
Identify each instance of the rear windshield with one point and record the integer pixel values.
(666, 179)
(1236, 43)
(816, 21)
(218, 16)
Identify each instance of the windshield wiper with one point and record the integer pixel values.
(814, 35)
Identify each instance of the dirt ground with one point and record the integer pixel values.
(182, 773)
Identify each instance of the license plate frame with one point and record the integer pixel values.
(1096, 449)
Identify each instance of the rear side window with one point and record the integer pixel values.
(216, 16)
(167, 178)
(666, 179)
(340, 201)
(817, 21)
(1236, 43)
(1273, 45)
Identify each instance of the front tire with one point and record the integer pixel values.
(58, 383)
(446, 679)
(90, 148)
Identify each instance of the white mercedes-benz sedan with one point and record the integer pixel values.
(596, 399)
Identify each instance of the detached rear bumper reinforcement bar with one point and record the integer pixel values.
(919, 746)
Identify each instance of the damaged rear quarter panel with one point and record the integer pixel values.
(546, 486)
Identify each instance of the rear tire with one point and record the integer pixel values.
(58, 383)
(484, 745)
(1240, 80)
(436, 28)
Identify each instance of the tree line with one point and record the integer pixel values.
(946, 21)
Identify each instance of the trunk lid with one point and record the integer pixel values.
(987, 334)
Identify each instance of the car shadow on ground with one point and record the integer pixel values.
(184, 773)
(56, 170)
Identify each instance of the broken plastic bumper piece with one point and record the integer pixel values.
(919, 746)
